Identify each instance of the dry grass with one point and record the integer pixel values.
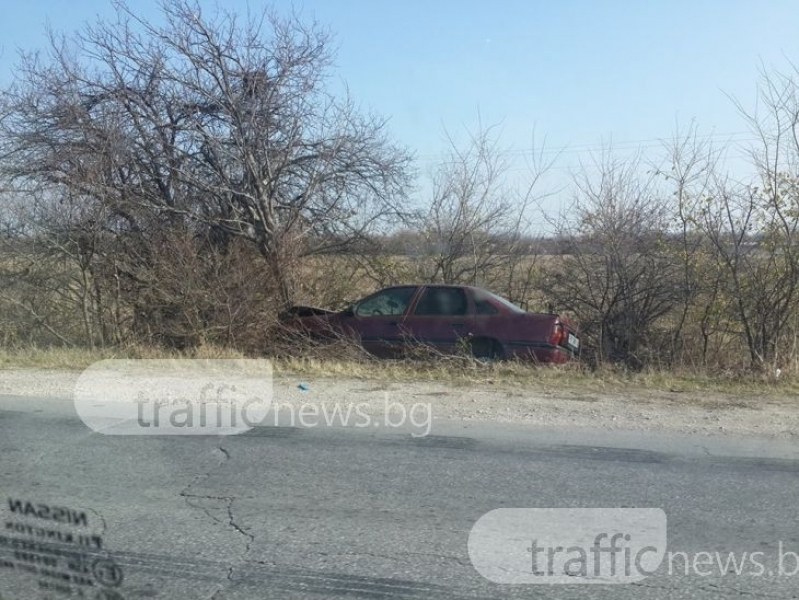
(573, 377)
(80, 358)
(460, 372)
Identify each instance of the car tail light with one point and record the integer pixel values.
(558, 335)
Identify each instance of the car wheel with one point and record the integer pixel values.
(486, 349)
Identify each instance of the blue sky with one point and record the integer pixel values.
(581, 73)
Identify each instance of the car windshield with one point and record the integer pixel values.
(389, 302)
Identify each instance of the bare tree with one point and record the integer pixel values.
(690, 168)
(474, 227)
(753, 227)
(615, 273)
(47, 278)
(204, 122)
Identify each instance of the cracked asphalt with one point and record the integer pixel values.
(343, 513)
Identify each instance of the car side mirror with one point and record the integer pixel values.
(349, 311)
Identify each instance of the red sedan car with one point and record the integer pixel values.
(445, 317)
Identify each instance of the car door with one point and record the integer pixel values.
(441, 318)
(376, 320)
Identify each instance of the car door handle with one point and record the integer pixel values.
(459, 324)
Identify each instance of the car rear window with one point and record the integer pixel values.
(442, 301)
(484, 307)
(483, 296)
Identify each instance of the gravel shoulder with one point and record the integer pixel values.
(626, 410)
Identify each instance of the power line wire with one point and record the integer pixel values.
(731, 137)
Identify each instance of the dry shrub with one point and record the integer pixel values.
(192, 293)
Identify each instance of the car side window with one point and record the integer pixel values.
(442, 301)
(388, 302)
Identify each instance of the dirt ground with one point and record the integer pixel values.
(635, 410)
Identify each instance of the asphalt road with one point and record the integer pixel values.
(344, 513)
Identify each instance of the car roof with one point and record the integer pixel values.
(446, 285)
